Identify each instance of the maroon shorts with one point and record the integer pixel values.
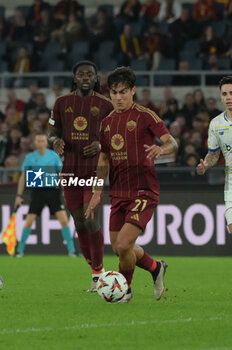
(136, 211)
(76, 196)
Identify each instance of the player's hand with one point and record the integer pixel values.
(58, 146)
(153, 152)
(18, 202)
(91, 150)
(201, 168)
(95, 201)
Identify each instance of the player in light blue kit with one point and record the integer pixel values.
(42, 167)
(220, 139)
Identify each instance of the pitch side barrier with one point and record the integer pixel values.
(189, 221)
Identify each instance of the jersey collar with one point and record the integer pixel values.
(228, 121)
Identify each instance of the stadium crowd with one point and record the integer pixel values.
(38, 36)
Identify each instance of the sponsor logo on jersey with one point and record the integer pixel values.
(131, 125)
(80, 123)
(95, 111)
(107, 128)
(69, 110)
(117, 142)
(135, 217)
(227, 148)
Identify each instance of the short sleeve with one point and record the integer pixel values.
(156, 125)
(103, 144)
(26, 164)
(213, 144)
(55, 118)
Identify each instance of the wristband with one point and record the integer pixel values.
(19, 195)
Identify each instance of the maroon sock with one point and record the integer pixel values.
(96, 244)
(147, 263)
(128, 274)
(83, 238)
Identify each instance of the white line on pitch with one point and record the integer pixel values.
(107, 325)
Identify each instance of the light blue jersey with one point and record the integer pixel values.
(42, 170)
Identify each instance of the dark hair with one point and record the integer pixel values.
(225, 80)
(124, 75)
(39, 133)
(85, 63)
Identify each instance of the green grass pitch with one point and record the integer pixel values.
(44, 306)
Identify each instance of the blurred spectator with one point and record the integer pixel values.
(204, 11)
(64, 8)
(36, 125)
(213, 66)
(149, 10)
(199, 141)
(3, 27)
(42, 31)
(184, 79)
(13, 143)
(127, 47)
(169, 11)
(53, 94)
(167, 95)
(24, 149)
(191, 160)
(11, 162)
(210, 44)
(43, 117)
(3, 141)
(172, 111)
(183, 29)
(19, 29)
(153, 46)
(189, 109)
(22, 65)
(26, 125)
(129, 10)
(104, 84)
(14, 102)
(200, 123)
(199, 100)
(101, 27)
(13, 117)
(70, 32)
(175, 129)
(34, 15)
(211, 107)
(145, 100)
(228, 9)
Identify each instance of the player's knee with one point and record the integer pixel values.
(122, 247)
(114, 247)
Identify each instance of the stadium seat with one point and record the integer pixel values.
(3, 67)
(108, 8)
(52, 49)
(2, 48)
(165, 64)
(136, 28)
(225, 63)
(107, 47)
(192, 45)
(139, 64)
(108, 64)
(164, 28)
(2, 11)
(195, 64)
(219, 28)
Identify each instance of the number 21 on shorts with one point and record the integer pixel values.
(140, 205)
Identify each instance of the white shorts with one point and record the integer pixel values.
(228, 212)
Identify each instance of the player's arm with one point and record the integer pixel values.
(169, 145)
(20, 189)
(102, 172)
(55, 141)
(210, 160)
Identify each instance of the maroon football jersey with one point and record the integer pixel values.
(78, 119)
(122, 138)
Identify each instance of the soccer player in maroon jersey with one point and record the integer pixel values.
(74, 133)
(128, 150)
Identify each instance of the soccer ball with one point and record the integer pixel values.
(112, 286)
(1, 283)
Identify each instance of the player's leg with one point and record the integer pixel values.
(25, 234)
(66, 233)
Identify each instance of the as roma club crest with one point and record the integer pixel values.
(94, 111)
(80, 123)
(131, 125)
(117, 142)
